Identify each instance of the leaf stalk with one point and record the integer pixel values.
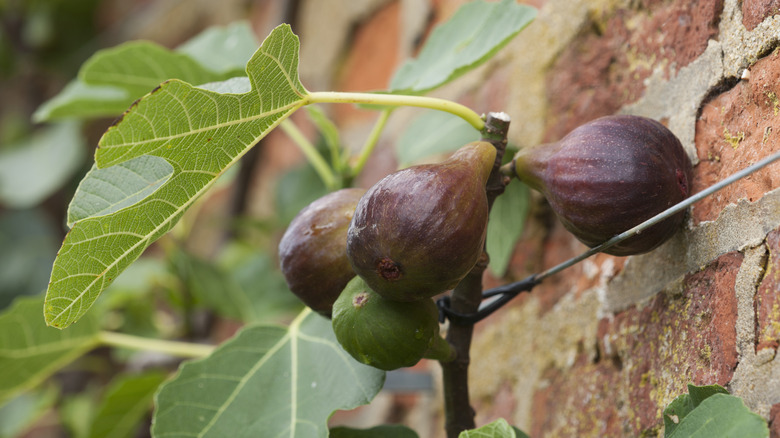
(315, 158)
(175, 348)
(457, 109)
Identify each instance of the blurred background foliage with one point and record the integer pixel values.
(215, 272)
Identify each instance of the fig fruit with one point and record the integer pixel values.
(610, 175)
(387, 334)
(312, 252)
(419, 231)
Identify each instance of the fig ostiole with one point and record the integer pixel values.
(387, 334)
(419, 231)
(610, 175)
(312, 252)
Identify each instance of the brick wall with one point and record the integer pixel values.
(602, 348)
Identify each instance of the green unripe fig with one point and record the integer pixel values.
(312, 252)
(419, 231)
(387, 334)
(609, 175)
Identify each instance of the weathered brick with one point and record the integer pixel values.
(755, 11)
(736, 129)
(647, 356)
(606, 67)
(371, 59)
(768, 297)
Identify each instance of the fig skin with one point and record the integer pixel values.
(610, 175)
(312, 252)
(387, 334)
(419, 231)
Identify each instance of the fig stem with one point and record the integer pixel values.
(440, 350)
(315, 158)
(466, 298)
(457, 109)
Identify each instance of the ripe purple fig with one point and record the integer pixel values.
(312, 252)
(610, 175)
(419, 231)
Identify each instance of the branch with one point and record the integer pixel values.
(466, 299)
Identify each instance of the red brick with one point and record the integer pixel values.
(755, 11)
(371, 59)
(736, 129)
(768, 297)
(647, 356)
(605, 68)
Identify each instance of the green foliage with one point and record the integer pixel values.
(29, 242)
(125, 404)
(19, 414)
(295, 190)
(709, 411)
(497, 429)
(36, 168)
(507, 218)
(266, 381)
(77, 411)
(207, 133)
(113, 78)
(223, 50)
(250, 290)
(472, 36)
(30, 352)
(330, 136)
(434, 132)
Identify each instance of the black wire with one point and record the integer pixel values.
(506, 292)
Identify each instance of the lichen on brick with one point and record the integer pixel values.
(733, 140)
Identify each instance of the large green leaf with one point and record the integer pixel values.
(474, 34)
(506, 225)
(201, 134)
(720, 415)
(113, 78)
(434, 132)
(30, 352)
(267, 381)
(33, 170)
(126, 403)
